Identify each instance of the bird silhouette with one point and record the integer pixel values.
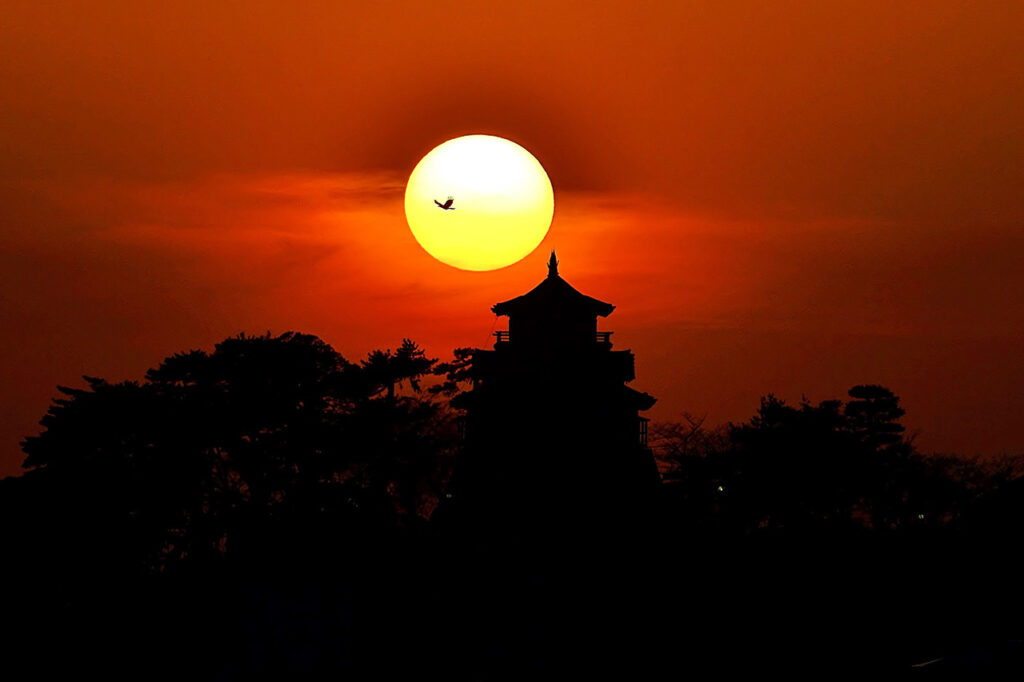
(447, 206)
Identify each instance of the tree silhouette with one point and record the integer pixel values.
(456, 373)
(793, 465)
(812, 466)
(873, 416)
(385, 370)
(264, 439)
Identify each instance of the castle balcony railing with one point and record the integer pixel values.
(505, 336)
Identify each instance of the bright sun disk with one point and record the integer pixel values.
(502, 202)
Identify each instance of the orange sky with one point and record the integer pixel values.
(787, 197)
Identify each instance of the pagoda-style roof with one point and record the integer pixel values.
(554, 294)
(639, 399)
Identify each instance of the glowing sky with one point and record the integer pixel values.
(787, 197)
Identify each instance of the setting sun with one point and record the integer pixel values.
(479, 202)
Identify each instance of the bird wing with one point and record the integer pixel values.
(438, 203)
(448, 203)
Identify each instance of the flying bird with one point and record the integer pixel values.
(447, 206)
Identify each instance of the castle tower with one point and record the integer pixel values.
(551, 429)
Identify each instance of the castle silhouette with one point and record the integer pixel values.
(553, 437)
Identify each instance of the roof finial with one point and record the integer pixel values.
(552, 265)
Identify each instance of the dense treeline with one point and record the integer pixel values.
(831, 467)
(272, 508)
(217, 457)
(181, 517)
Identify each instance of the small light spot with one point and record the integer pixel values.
(721, 489)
